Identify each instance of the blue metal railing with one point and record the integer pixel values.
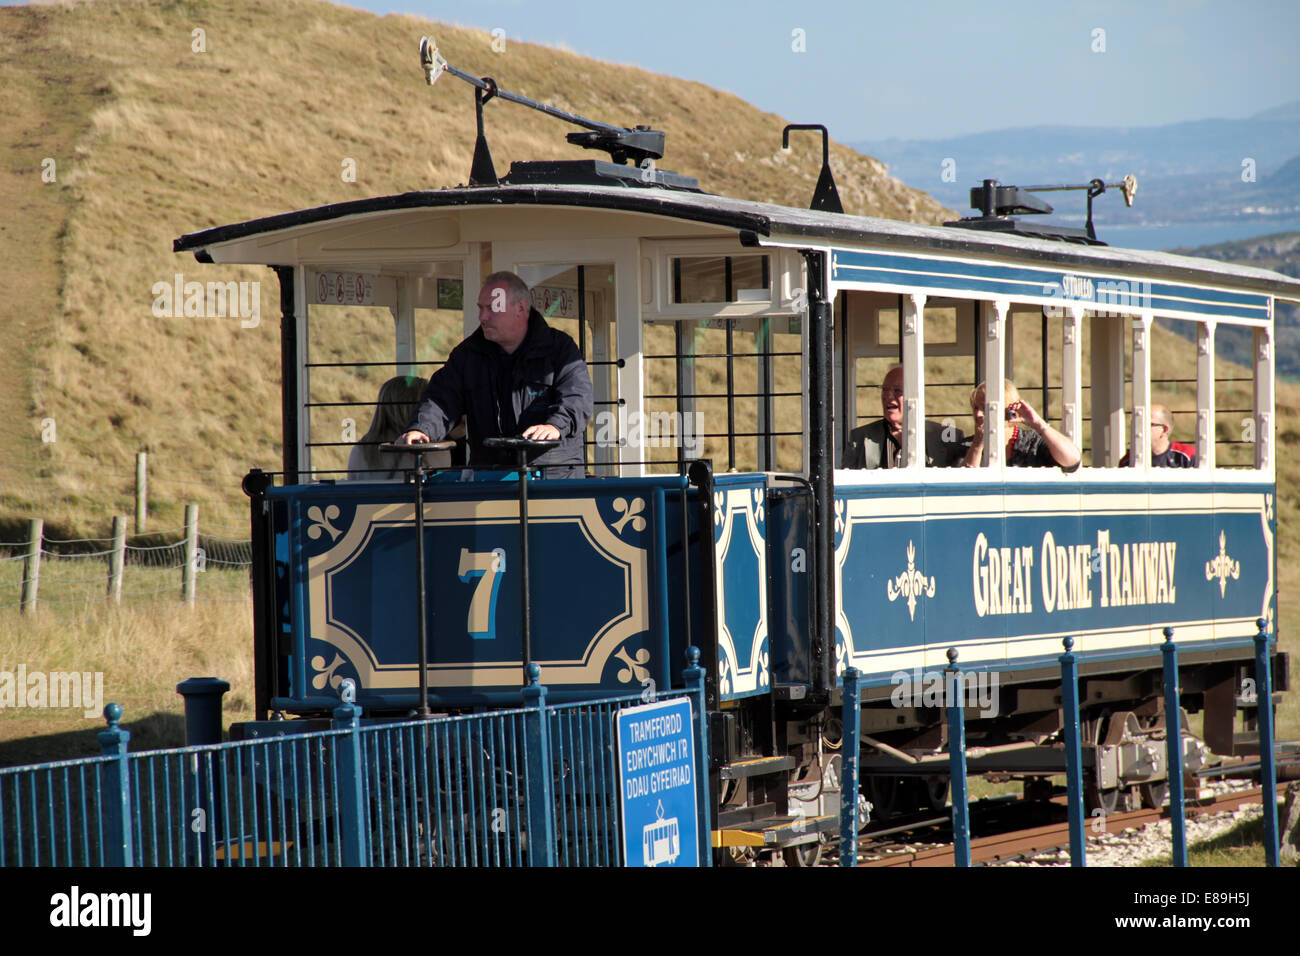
(535, 786)
(852, 744)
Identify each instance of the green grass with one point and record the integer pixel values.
(1243, 845)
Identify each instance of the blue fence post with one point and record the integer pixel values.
(1267, 759)
(1073, 753)
(115, 791)
(541, 796)
(1174, 750)
(353, 819)
(693, 675)
(202, 697)
(850, 744)
(957, 761)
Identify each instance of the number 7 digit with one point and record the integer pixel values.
(487, 566)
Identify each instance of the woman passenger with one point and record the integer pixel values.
(393, 409)
(1031, 441)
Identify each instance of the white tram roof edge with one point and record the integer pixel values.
(263, 241)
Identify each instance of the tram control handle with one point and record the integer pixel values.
(417, 450)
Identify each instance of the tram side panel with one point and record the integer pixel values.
(607, 591)
(1004, 573)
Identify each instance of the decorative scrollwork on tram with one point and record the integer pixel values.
(635, 669)
(321, 522)
(630, 512)
(911, 584)
(1222, 567)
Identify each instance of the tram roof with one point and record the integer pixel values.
(763, 219)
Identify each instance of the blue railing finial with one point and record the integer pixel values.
(534, 672)
(1169, 634)
(692, 656)
(952, 656)
(113, 714)
(1068, 643)
(1261, 623)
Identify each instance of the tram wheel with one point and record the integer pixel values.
(1154, 794)
(886, 795)
(804, 855)
(1095, 798)
(934, 793)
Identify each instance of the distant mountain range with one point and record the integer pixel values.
(1241, 176)
(1281, 253)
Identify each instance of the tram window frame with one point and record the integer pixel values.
(865, 353)
(784, 288)
(407, 295)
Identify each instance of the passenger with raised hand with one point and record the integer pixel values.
(1031, 441)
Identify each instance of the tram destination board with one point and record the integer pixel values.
(656, 760)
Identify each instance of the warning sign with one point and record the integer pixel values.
(344, 288)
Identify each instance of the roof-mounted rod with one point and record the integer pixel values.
(997, 202)
(1095, 187)
(826, 198)
(637, 144)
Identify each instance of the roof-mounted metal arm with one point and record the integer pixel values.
(636, 145)
(1095, 187)
(826, 198)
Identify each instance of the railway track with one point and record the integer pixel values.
(1020, 844)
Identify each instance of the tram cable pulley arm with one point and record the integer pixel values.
(636, 145)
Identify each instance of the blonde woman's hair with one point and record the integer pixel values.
(394, 407)
(1009, 394)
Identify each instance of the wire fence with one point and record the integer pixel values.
(181, 562)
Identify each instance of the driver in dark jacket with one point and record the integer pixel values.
(515, 375)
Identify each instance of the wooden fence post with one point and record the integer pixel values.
(32, 563)
(117, 560)
(191, 552)
(141, 493)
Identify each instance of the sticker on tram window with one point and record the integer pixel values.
(344, 288)
(451, 294)
(555, 302)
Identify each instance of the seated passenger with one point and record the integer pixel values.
(879, 444)
(393, 409)
(1036, 444)
(1166, 453)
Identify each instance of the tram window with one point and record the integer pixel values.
(1234, 404)
(702, 279)
(1173, 374)
(1035, 339)
(353, 349)
(949, 372)
(578, 300)
(731, 387)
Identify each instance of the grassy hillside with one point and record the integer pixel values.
(152, 139)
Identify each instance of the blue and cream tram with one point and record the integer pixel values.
(732, 346)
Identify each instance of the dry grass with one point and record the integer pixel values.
(143, 648)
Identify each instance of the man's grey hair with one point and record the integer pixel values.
(516, 289)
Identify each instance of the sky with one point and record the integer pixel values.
(929, 69)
